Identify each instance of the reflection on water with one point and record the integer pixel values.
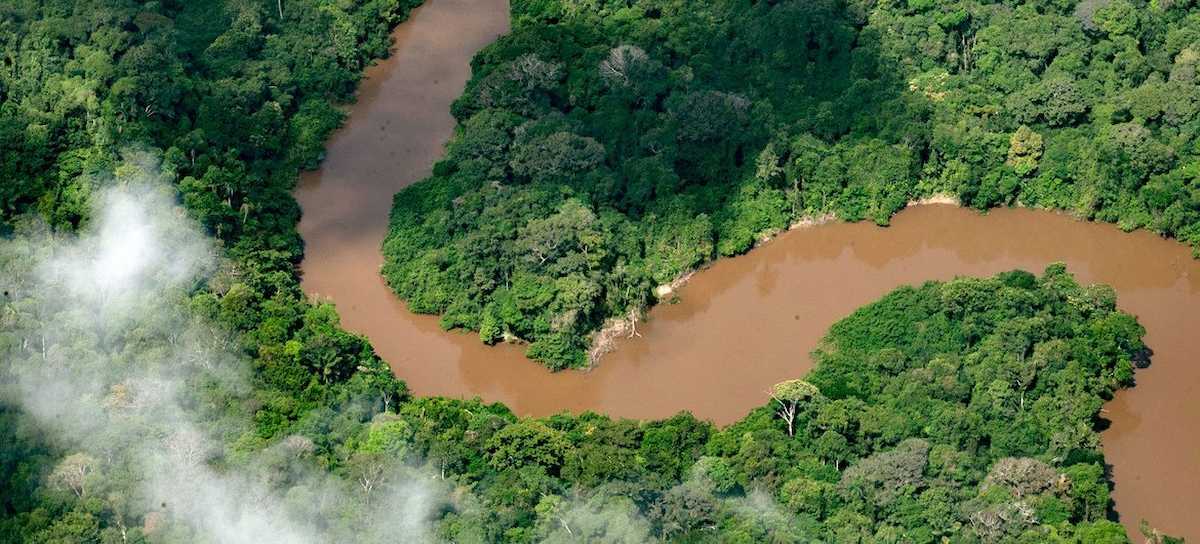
(746, 322)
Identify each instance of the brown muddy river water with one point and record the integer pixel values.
(748, 322)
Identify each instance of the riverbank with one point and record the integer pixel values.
(668, 289)
(743, 323)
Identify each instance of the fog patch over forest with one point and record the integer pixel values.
(120, 372)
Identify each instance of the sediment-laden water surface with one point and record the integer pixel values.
(747, 322)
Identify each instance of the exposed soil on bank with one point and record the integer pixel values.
(747, 322)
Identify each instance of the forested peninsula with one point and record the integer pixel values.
(163, 378)
(607, 148)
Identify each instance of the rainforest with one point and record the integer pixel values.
(171, 372)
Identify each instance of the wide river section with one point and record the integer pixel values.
(747, 322)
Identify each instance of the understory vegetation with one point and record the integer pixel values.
(163, 379)
(608, 147)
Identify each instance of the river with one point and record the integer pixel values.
(747, 322)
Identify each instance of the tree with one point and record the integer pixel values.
(188, 447)
(73, 473)
(1153, 535)
(789, 396)
(370, 471)
(833, 447)
(389, 434)
(527, 443)
(619, 69)
(805, 155)
(1023, 477)
(804, 495)
(558, 156)
(602, 518)
(885, 477)
(1025, 148)
(544, 240)
(683, 509)
(1007, 519)
(1089, 491)
(705, 116)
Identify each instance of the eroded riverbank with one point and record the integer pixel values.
(746, 322)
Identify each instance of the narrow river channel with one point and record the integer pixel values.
(746, 322)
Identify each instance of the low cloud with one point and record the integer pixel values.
(104, 354)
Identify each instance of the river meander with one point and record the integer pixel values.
(747, 322)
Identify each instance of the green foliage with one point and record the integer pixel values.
(527, 443)
(690, 131)
(602, 152)
(228, 100)
(604, 148)
(964, 410)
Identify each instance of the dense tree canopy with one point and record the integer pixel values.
(233, 97)
(608, 147)
(965, 410)
(604, 148)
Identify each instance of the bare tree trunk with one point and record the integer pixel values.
(121, 526)
(367, 484)
(787, 411)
